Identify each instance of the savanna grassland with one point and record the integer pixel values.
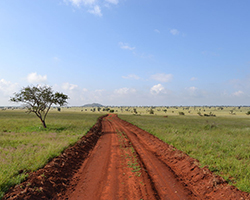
(26, 146)
(218, 137)
(222, 143)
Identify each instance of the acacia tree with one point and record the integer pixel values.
(39, 100)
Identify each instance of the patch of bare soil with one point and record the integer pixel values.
(117, 160)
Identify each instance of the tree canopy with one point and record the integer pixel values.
(39, 100)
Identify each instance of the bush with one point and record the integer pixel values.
(181, 113)
(151, 111)
(248, 112)
(135, 111)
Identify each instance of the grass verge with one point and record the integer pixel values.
(26, 146)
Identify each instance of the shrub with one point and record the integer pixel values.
(199, 113)
(181, 113)
(151, 111)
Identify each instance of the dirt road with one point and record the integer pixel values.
(125, 162)
(129, 163)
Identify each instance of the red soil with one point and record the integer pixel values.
(117, 160)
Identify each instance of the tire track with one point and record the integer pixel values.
(120, 167)
(163, 179)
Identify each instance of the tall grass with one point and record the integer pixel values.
(26, 146)
(222, 143)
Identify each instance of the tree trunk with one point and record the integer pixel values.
(44, 125)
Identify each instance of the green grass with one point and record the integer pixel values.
(222, 143)
(25, 145)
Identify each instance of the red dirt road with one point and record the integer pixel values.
(117, 160)
(115, 170)
(129, 163)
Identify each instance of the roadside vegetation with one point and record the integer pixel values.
(26, 146)
(222, 143)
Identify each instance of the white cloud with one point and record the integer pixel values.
(96, 11)
(78, 3)
(7, 88)
(194, 92)
(157, 31)
(93, 6)
(131, 48)
(124, 91)
(238, 93)
(69, 86)
(131, 76)
(193, 79)
(126, 46)
(162, 77)
(174, 32)
(35, 78)
(113, 1)
(156, 89)
(192, 89)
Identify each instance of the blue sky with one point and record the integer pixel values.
(128, 52)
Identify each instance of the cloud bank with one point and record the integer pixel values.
(148, 94)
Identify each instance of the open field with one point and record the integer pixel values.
(166, 110)
(222, 143)
(25, 146)
(157, 110)
(117, 160)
